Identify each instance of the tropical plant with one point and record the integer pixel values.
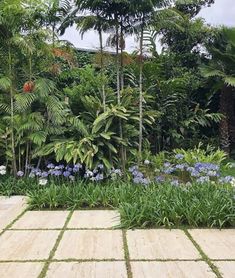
(221, 68)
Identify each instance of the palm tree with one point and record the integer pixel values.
(10, 25)
(143, 12)
(94, 20)
(221, 67)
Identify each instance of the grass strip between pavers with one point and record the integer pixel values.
(126, 254)
(7, 228)
(52, 253)
(205, 258)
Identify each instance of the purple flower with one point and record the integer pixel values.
(77, 167)
(167, 164)
(20, 173)
(56, 173)
(179, 156)
(169, 170)
(139, 180)
(50, 166)
(133, 168)
(202, 180)
(66, 174)
(195, 173)
(180, 166)
(160, 179)
(38, 172)
(44, 174)
(175, 183)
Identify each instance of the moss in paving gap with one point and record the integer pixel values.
(126, 254)
(52, 253)
(204, 256)
(12, 222)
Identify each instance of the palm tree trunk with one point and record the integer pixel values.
(141, 95)
(118, 66)
(119, 94)
(102, 69)
(122, 64)
(224, 123)
(14, 167)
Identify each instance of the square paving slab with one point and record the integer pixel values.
(87, 270)
(91, 244)
(26, 245)
(217, 244)
(226, 269)
(41, 220)
(160, 244)
(10, 208)
(91, 219)
(20, 270)
(171, 270)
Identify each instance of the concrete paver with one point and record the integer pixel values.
(171, 270)
(91, 244)
(87, 270)
(227, 269)
(10, 208)
(90, 219)
(26, 245)
(20, 270)
(41, 220)
(160, 244)
(217, 244)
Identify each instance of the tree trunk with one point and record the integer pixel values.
(14, 166)
(141, 96)
(122, 64)
(118, 66)
(119, 95)
(225, 98)
(102, 69)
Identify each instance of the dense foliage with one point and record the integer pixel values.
(61, 105)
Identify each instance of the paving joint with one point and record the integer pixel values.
(52, 252)
(126, 254)
(205, 258)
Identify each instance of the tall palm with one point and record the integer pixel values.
(221, 67)
(143, 12)
(10, 25)
(91, 17)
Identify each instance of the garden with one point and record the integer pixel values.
(150, 133)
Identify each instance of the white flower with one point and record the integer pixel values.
(146, 162)
(233, 182)
(42, 181)
(3, 170)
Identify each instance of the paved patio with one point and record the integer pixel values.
(84, 244)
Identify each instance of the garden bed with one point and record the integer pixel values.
(155, 205)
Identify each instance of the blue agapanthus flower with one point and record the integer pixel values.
(169, 170)
(66, 174)
(20, 173)
(175, 183)
(50, 166)
(44, 174)
(202, 180)
(179, 156)
(160, 179)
